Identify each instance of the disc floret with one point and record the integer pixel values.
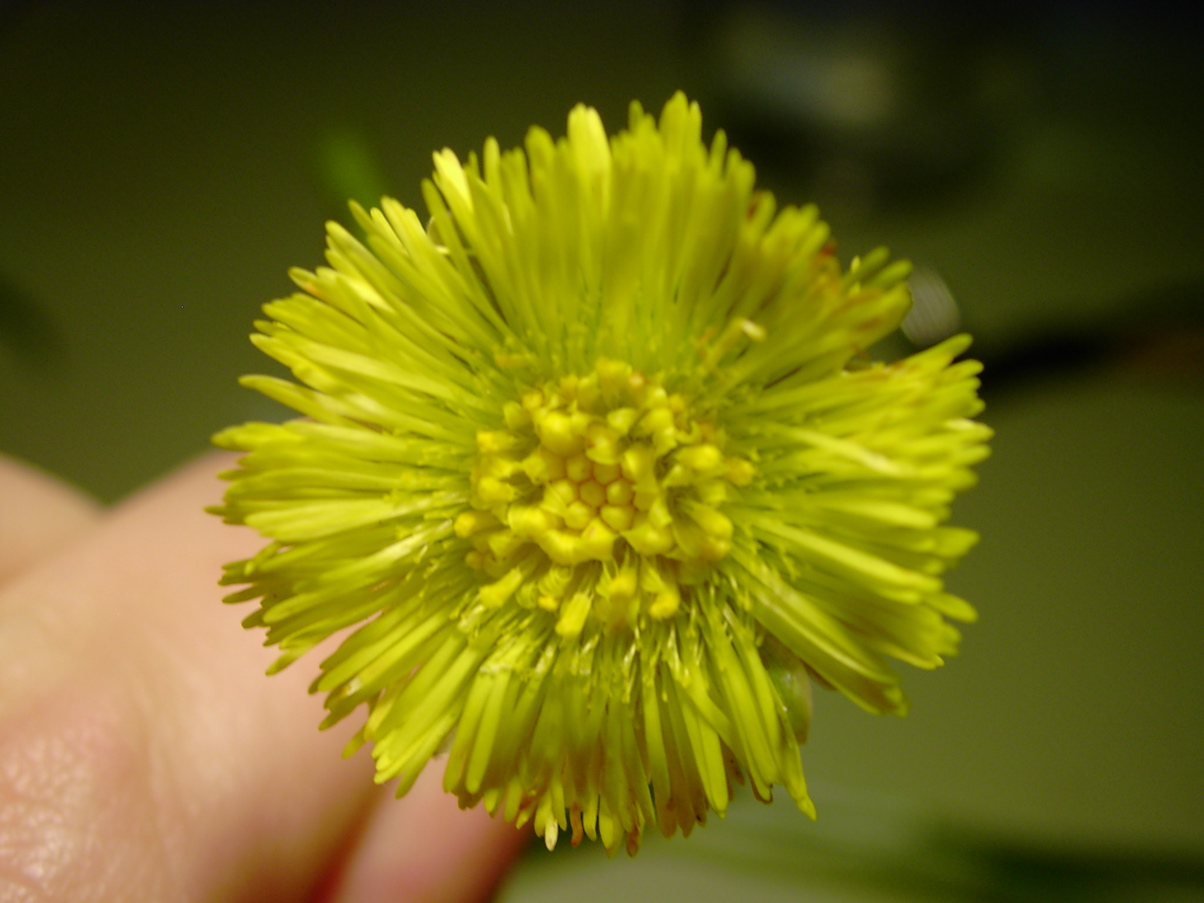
(607, 480)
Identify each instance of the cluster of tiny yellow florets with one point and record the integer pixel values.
(608, 468)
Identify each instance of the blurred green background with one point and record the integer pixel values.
(161, 165)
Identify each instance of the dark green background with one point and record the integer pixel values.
(162, 165)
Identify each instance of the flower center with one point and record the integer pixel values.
(606, 468)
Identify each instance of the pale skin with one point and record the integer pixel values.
(144, 755)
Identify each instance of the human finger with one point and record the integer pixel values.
(142, 753)
(38, 514)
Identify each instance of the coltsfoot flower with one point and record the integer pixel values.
(596, 468)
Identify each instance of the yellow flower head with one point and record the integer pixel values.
(596, 463)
